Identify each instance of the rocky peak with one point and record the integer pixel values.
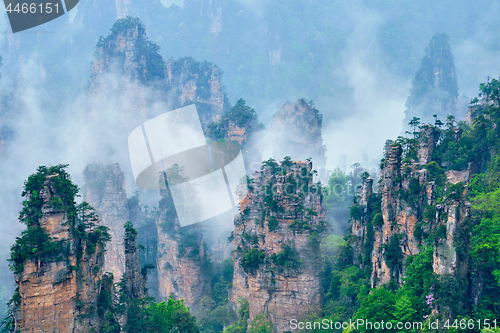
(126, 50)
(126, 56)
(297, 127)
(419, 203)
(277, 235)
(189, 81)
(135, 276)
(181, 256)
(428, 140)
(58, 260)
(240, 124)
(434, 87)
(366, 191)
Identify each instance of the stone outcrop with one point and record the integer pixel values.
(214, 12)
(59, 294)
(358, 226)
(62, 283)
(236, 133)
(454, 176)
(297, 133)
(276, 240)
(411, 211)
(105, 191)
(399, 217)
(445, 256)
(181, 257)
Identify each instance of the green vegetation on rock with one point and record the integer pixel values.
(34, 242)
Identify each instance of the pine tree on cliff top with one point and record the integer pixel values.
(434, 88)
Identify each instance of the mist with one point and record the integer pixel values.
(343, 60)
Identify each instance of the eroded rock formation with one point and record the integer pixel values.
(105, 191)
(59, 293)
(128, 65)
(240, 125)
(189, 81)
(135, 275)
(181, 257)
(59, 263)
(297, 133)
(434, 90)
(277, 238)
(144, 220)
(418, 200)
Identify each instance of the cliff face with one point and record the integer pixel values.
(417, 201)
(105, 191)
(297, 133)
(59, 293)
(276, 239)
(181, 257)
